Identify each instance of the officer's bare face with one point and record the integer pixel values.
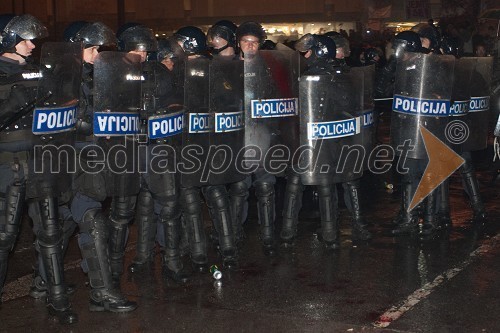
(90, 53)
(25, 47)
(426, 42)
(217, 42)
(249, 45)
(168, 63)
(142, 54)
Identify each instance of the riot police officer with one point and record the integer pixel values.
(158, 199)
(463, 71)
(90, 188)
(250, 36)
(193, 41)
(320, 54)
(407, 44)
(351, 187)
(221, 38)
(18, 94)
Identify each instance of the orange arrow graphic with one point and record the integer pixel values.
(443, 161)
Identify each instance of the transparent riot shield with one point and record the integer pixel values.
(330, 122)
(226, 99)
(479, 108)
(271, 105)
(116, 123)
(163, 111)
(422, 94)
(199, 123)
(457, 133)
(54, 119)
(369, 117)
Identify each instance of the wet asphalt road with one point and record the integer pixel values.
(447, 285)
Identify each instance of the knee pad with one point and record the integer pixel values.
(145, 204)
(239, 189)
(94, 224)
(190, 200)
(122, 210)
(170, 210)
(263, 189)
(216, 196)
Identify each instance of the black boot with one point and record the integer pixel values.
(217, 200)
(238, 196)
(172, 264)
(103, 296)
(443, 217)
(265, 209)
(191, 207)
(472, 189)
(291, 208)
(328, 203)
(408, 225)
(359, 230)
(145, 220)
(50, 241)
(121, 213)
(429, 225)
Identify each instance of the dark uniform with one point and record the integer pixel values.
(18, 162)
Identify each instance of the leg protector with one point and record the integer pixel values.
(328, 203)
(408, 224)
(291, 207)
(264, 192)
(12, 211)
(359, 230)
(443, 218)
(103, 296)
(191, 207)
(218, 203)
(121, 214)
(146, 222)
(50, 241)
(472, 188)
(238, 196)
(429, 226)
(170, 217)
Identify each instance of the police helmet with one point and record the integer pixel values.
(340, 41)
(168, 48)
(268, 45)
(136, 37)
(451, 45)
(370, 54)
(91, 34)
(193, 40)
(224, 29)
(251, 29)
(321, 46)
(430, 32)
(408, 41)
(18, 28)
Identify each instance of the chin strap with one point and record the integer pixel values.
(23, 56)
(217, 51)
